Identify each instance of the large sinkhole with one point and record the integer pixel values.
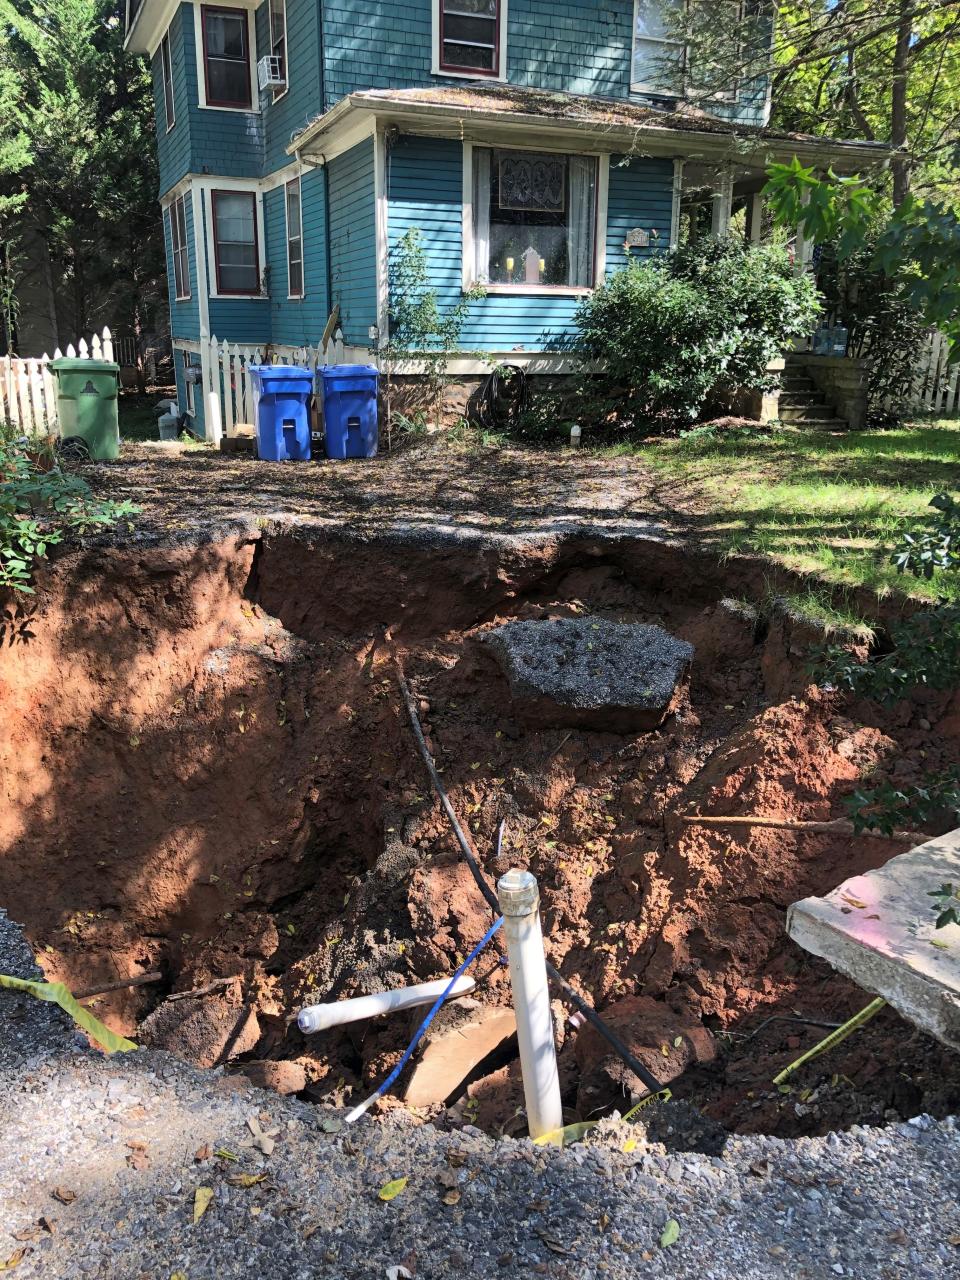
(210, 776)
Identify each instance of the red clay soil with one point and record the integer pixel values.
(208, 771)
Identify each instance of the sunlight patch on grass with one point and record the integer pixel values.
(833, 505)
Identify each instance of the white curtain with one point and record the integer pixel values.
(481, 214)
(580, 220)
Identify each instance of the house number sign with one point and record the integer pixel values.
(637, 238)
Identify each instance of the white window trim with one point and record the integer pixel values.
(468, 274)
(294, 297)
(685, 89)
(207, 186)
(165, 44)
(501, 73)
(280, 93)
(249, 8)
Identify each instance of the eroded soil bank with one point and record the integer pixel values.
(209, 773)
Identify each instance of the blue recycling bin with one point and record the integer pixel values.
(350, 410)
(283, 411)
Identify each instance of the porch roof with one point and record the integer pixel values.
(480, 112)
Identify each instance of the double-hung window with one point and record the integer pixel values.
(226, 57)
(294, 240)
(178, 243)
(658, 56)
(469, 37)
(236, 245)
(534, 219)
(278, 41)
(166, 73)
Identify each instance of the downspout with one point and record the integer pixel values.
(321, 50)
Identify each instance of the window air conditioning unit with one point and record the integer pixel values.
(270, 72)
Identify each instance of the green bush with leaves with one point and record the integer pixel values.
(665, 333)
(39, 509)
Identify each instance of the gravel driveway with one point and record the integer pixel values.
(101, 1160)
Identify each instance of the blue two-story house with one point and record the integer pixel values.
(534, 143)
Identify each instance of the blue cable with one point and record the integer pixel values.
(357, 1112)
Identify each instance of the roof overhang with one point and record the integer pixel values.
(360, 114)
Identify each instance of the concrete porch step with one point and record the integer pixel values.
(808, 413)
(817, 424)
(878, 929)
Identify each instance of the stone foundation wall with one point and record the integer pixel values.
(843, 381)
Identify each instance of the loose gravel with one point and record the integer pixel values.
(102, 1157)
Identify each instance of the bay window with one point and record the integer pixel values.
(226, 57)
(166, 74)
(534, 218)
(236, 248)
(278, 41)
(294, 240)
(469, 36)
(178, 244)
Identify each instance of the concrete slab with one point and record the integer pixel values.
(878, 929)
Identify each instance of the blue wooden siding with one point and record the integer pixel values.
(298, 321)
(426, 191)
(573, 46)
(173, 148)
(640, 195)
(185, 314)
(352, 213)
(303, 100)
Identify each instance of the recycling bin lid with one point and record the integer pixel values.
(281, 370)
(74, 364)
(349, 370)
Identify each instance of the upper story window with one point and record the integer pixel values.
(278, 40)
(236, 245)
(469, 37)
(178, 244)
(226, 57)
(662, 65)
(534, 219)
(294, 240)
(166, 73)
(657, 54)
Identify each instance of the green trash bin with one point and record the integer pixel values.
(87, 404)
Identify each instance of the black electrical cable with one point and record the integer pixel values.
(591, 1015)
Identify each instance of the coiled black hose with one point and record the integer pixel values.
(503, 398)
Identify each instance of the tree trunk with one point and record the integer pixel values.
(900, 165)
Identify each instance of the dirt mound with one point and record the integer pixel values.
(209, 770)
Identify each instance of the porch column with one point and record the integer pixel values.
(722, 203)
(755, 217)
(803, 254)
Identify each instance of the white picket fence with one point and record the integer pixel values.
(28, 390)
(229, 395)
(936, 386)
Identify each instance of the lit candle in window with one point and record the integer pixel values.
(543, 265)
(509, 266)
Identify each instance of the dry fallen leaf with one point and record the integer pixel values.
(390, 1190)
(630, 1145)
(201, 1202)
(203, 1153)
(15, 1259)
(452, 1196)
(246, 1179)
(456, 1157)
(64, 1195)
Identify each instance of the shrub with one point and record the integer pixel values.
(665, 333)
(38, 509)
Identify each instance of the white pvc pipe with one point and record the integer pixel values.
(317, 1017)
(520, 904)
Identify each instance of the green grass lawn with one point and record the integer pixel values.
(833, 505)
